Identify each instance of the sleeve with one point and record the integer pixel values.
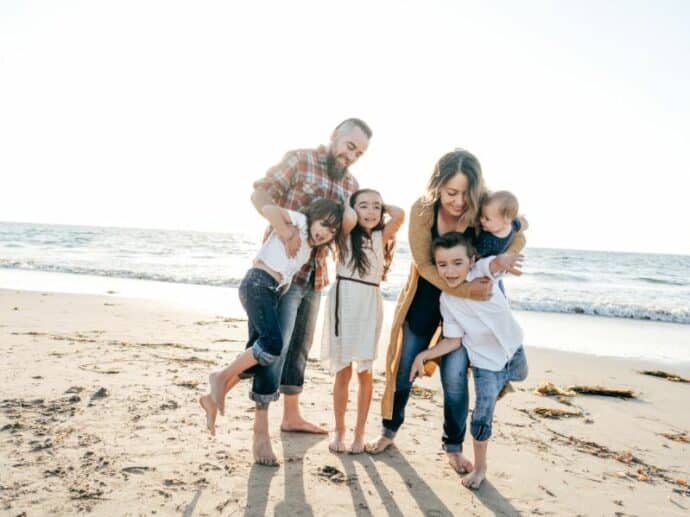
(421, 221)
(279, 178)
(517, 225)
(451, 327)
(482, 268)
(518, 243)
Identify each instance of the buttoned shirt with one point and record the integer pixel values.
(488, 330)
(299, 178)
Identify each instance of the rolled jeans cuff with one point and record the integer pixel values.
(290, 390)
(262, 399)
(263, 357)
(452, 447)
(388, 433)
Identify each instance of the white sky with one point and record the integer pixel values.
(162, 114)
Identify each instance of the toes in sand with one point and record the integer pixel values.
(473, 480)
(379, 445)
(263, 451)
(460, 464)
(338, 443)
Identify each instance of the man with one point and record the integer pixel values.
(300, 177)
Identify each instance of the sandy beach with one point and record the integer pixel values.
(99, 413)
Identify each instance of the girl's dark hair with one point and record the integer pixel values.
(360, 238)
(330, 214)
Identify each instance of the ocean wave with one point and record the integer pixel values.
(661, 281)
(611, 310)
(557, 276)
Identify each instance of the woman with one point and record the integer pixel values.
(452, 203)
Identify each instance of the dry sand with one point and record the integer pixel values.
(99, 413)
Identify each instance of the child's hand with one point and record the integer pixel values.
(417, 369)
(508, 264)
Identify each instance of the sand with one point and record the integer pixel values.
(99, 413)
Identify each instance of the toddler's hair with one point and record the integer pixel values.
(507, 203)
(450, 240)
(359, 238)
(330, 214)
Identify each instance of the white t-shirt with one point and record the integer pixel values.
(273, 253)
(488, 329)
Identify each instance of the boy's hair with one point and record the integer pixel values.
(359, 238)
(330, 214)
(451, 240)
(507, 203)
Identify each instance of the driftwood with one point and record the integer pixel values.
(548, 412)
(677, 437)
(601, 390)
(548, 388)
(664, 375)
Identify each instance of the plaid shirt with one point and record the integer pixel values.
(296, 181)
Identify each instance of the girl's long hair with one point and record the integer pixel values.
(359, 238)
(330, 214)
(458, 161)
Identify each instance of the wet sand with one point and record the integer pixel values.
(99, 413)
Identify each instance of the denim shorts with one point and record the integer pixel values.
(487, 385)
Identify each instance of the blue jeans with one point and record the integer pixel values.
(260, 294)
(487, 385)
(298, 310)
(453, 379)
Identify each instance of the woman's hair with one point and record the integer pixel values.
(359, 239)
(330, 214)
(458, 161)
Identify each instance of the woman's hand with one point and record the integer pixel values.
(417, 369)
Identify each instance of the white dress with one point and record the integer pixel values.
(360, 312)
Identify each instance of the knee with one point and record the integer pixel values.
(481, 429)
(343, 376)
(365, 378)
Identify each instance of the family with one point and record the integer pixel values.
(452, 314)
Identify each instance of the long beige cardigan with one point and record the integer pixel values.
(421, 221)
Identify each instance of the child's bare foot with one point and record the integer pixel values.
(263, 451)
(300, 425)
(379, 445)
(211, 409)
(217, 395)
(338, 442)
(474, 479)
(460, 464)
(357, 445)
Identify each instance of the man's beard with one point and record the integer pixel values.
(334, 171)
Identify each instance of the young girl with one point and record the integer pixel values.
(352, 323)
(262, 287)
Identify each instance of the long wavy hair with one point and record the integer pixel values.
(360, 238)
(330, 214)
(450, 164)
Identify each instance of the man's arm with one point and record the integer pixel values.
(421, 220)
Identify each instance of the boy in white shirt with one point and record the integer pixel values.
(487, 330)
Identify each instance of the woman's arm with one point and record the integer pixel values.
(397, 218)
(518, 244)
(421, 221)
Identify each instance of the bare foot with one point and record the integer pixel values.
(460, 464)
(357, 445)
(211, 409)
(338, 442)
(217, 392)
(474, 479)
(300, 425)
(263, 451)
(379, 445)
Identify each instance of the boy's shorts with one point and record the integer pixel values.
(487, 385)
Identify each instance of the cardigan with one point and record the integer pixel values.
(419, 236)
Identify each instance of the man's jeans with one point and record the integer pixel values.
(454, 380)
(298, 309)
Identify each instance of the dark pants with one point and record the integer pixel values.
(454, 380)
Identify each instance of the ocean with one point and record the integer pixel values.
(600, 283)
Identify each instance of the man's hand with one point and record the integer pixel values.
(481, 288)
(291, 239)
(417, 369)
(507, 264)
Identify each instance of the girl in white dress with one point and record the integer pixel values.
(354, 313)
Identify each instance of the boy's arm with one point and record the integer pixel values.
(397, 218)
(421, 221)
(446, 345)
